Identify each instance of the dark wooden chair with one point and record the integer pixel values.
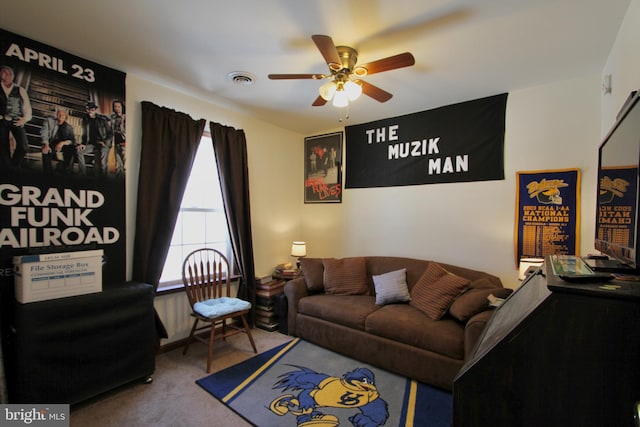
(205, 275)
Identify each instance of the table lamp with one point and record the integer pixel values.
(525, 263)
(299, 250)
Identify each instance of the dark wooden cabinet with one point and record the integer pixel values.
(555, 354)
(68, 350)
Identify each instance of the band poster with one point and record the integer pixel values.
(547, 213)
(322, 168)
(456, 143)
(62, 142)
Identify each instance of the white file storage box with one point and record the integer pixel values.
(57, 275)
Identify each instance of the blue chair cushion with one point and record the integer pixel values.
(220, 306)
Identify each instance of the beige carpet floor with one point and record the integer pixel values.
(173, 398)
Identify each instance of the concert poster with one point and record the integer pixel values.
(62, 142)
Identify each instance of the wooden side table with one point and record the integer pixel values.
(287, 277)
(280, 301)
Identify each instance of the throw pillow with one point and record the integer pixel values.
(346, 276)
(436, 290)
(475, 301)
(481, 283)
(313, 271)
(391, 287)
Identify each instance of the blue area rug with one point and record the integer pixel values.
(301, 384)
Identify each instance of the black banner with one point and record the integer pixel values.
(456, 143)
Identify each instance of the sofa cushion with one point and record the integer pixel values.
(481, 283)
(406, 324)
(221, 306)
(313, 272)
(436, 290)
(382, 264)
(391, 287)
(345, 276)
(347, 310)
(474, 301)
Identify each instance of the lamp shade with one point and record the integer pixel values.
(299, 249)
(340, 99)
(525, 263)
(327, 90)
(353, 90)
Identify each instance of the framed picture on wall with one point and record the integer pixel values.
(323, 168)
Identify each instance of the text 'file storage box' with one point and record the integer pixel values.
(57, 275)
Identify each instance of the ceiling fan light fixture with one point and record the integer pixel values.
(353, 90)
(327, 90)
(342, 61)
(360, 71)
(340, 99)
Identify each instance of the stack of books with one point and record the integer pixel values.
(286, 270)
(266, 290)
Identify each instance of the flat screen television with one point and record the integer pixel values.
(617, 207)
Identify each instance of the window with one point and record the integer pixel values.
(201, 221)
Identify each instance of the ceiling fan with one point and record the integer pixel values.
(345, 84)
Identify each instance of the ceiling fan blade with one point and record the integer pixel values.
(319, 102)
(328, 50)
(401, 60)
(374, 91)
(296, 76)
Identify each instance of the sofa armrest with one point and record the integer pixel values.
(473, 330)
(294, 290)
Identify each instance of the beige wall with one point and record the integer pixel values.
(471, 224)
(275, 169)
(275, 174)
(623, 65)
(552, 126)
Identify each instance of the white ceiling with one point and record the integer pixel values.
(464, 49)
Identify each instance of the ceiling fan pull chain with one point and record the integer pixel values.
(346, 117)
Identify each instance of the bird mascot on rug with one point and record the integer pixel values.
(355, 389)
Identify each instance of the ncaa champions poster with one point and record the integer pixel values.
(62, 141)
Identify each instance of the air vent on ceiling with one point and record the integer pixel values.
(241, 77)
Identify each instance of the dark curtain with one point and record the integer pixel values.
(230, 147)
(170, 140)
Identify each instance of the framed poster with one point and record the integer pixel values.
(323, 168)
(547, 213)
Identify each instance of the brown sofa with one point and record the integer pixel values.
(427, 338)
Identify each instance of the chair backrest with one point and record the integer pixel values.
(205, 275)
